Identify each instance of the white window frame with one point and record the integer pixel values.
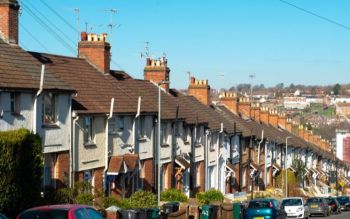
(89, 134)
(49, 119)
(15, 103)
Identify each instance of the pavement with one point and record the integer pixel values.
(343, 215)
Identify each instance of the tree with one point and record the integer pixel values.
(20, 171)
(299, 167)
(336, 89)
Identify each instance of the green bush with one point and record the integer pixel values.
(85, 199)
(209, 197)
(21, 166)
(140, 199)
(108, 201)
(143, 199)
(173, 195)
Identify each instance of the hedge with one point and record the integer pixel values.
(21, 166)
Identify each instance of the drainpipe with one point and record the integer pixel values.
(262, 139)
(265, 166)
(133, 128)
(72, 154)
(107, 146)
(134, 123)
(41, 88)
(218, 155)
(206, 148)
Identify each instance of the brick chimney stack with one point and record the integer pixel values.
(244, 106)
(156, 70)
(273, 118)
(96, 50)
(230, 100)
(282, 120)
(255, 112)
(264, 115)
(200, 89)
(9, 20)
(289, 125)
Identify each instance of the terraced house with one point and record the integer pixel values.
(100, 125)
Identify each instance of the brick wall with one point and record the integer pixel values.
(98, 179)
(200, 89)
(282, 120)
(148, 180)
(264, 116)
(273, 118)
(157, 71)
(62, 169)
(244, 107)
(97, 53)
(9, 21)
(230, 100)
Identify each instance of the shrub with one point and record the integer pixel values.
(143, 199)
(21, 165)
(108, 201)
(173, 195)
(125, 204)
(210, 196)
(85, 199)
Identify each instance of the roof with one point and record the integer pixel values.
(116, 163)
(20, 70)
(95, 89)
(182, 162)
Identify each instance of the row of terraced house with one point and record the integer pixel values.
(100, 125)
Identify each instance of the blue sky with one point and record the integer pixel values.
(209, 38)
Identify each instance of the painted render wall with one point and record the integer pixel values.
(90, 156)
(54, 138)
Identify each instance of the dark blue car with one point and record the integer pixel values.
(264, 209)
(344, 202)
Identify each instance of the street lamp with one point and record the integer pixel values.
(285, 165)
(159, 144)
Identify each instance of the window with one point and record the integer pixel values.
(80, 214)
(88, 130)
(15, 103)
(142, 127)
(164, 133)
(49, 111)
(120, 123)
(112, 124)
(94, 214)
(213, 141)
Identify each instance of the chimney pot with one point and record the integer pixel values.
(83, 36)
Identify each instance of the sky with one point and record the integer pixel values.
(223, 41)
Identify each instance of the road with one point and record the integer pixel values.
(343, 215)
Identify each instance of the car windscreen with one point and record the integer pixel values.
(314, 200)
(343, 199)
(45, 214)
(292, 202)
(260, 204)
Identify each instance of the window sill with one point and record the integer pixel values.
(15, 114)
(90, 144)
(164, 145)
(212, 149)
(143, 139)
(198, 145)
(50, 125)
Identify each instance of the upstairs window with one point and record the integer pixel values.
(164, 133)
(15, 103)
(49, 112)
(142, 127)
(121, 123)
(88, 130)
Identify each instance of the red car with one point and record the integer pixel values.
(61, 212)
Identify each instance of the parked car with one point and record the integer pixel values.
(296, 207)
(334, 205)
(261, 208)
(344, 202)
(318, 206)
(61, 212)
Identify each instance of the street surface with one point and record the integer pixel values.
(343, 215)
